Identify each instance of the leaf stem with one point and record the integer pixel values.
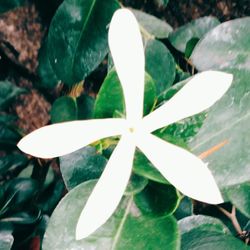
(232, 217)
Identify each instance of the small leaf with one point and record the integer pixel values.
(190, 46)
(110, 97)
(195, 29)
(8, 91)
(82, 165)
(157, 199)
(85, 104)
(64, 109)
(77, 37)
(203, 232)
(126, 229)
(160, 64)
(185, 208)
(152, 25)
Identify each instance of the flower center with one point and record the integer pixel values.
(131, 130)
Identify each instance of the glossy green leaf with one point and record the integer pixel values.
(157, 199)
(85, 104)
(8, 91)
(64, 109)
(151, 26)
(239, 195)
(12, 161)
(82, 165)
(110, 97)
(6, 119)
(6, 240)
(142, 166)
(195, 29)
(126, 229)
(160, 64)
(136, 184)
(10, 4)
(77, 37)
(202, 232)
(227, 48)
(48, 78)
(190, 46)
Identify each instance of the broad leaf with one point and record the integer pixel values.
(152, 26)
(110, 102)
(64, 109)
(195, 29)
(224, 138)
(203, 232)
(78, 37)
(82, 165)
(48, 78)
(160, 64)
(126, 229)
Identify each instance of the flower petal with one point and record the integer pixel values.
(182, 169)
(200, 93)
(108, 191)
(126, 47)
(64, 138)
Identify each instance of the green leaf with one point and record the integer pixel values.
(8, 91)
(77, 37)
(143, 167)
(10, 4)
(151, 26)
(48, 78)
(160, 64)
(19, 191)
(239, 195)
(64, 109)
(6, 240)
(202, 232)
(190, 46)
(8, 136)
(161, 3)
(82, 165)
(185, 208)
(126, 229)
(12, 161)
(157, 199)
(7, 120)
(227, 48)
(136, 184)
(195, 29)
(85, 104)
(110, 100)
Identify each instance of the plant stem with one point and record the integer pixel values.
(232, 217)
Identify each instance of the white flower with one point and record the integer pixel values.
(184, 170)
